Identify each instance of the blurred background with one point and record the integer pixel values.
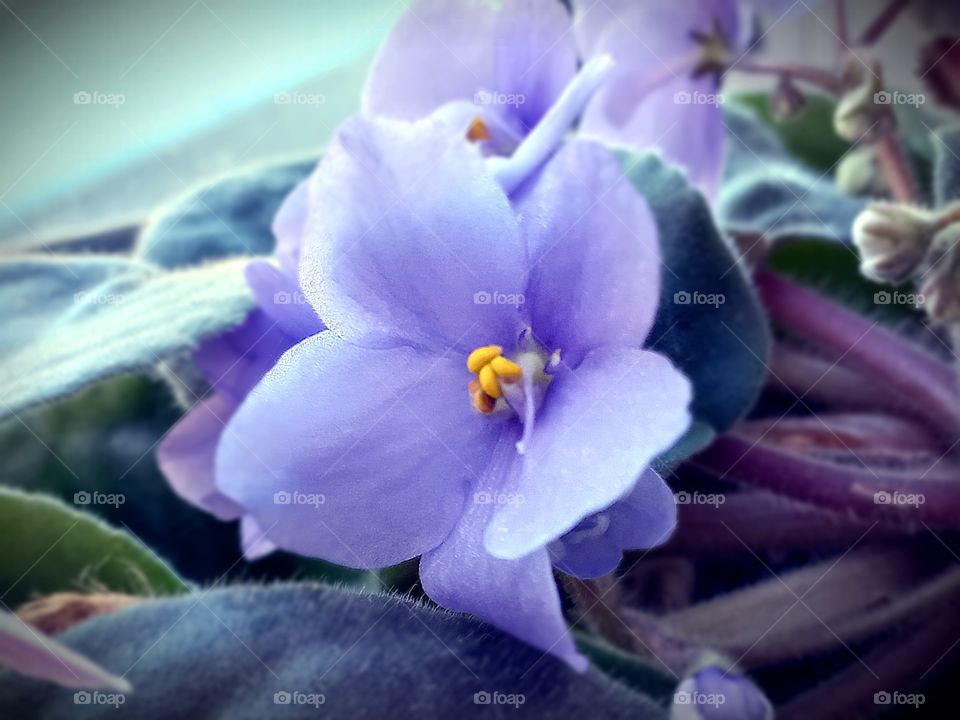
(112, 107)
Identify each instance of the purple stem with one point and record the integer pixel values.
(894, 498)
(918, 377)
(764, 522)
(883, 21)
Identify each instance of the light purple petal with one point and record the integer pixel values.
(517, 596)
(29, 652)
(278, 294)
(234, 361)
(653, 101)
(599, 428)
(408, 236)
(288, 225)
(437, 52)
(360, 457)
(593, 248)
(253, 540)
(186, 457)
(535, 56)
(643, 519)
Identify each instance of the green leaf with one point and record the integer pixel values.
(365, 656)
(835, 271)
(128, 322)
(49, 547)
(227, 217)
(808, 136)
(720, 345)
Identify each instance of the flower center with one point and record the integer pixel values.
(513, 386)
(491, 369)
(714, 51)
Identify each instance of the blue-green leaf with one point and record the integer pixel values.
(767, 193)
(709, 321)
(131, 319)
(311, 651)
(227, 217)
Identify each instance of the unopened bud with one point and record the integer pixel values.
(865, 112)
(714, 694)
(893, 240)
(940, 288)
(786, 100)
(859, 173)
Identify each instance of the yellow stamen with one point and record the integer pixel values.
(507, 370)
(481, 401)
(482, 356)
(488, 381)
(478, 130)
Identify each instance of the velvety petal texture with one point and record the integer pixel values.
(361, 457)
(409, 238)
(518, 596)
(590, 255)
(599, 429)
(653, 100)
(512, 61)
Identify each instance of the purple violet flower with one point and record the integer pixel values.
(712, 694)
(369, 444)
(233, 363)
(497, 71)
(665, 90)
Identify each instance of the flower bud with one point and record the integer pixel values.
(941, 283)
(712, 694)
(893, 240)
(859, 173)
(865, 112)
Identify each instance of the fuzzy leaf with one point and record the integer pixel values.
(256, 652)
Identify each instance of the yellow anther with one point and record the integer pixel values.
(478, 130)
(482, 356)
(481, 401)
(489, 382)
(507, 370)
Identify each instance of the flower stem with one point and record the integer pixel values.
(896, 169)
(895, 498)
(814, 76)
(919, 378)
(883, 21)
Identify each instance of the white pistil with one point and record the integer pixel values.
(544, 139)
